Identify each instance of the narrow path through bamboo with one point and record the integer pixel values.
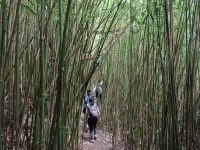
(103, 141)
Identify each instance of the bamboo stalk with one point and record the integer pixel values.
(2, 52)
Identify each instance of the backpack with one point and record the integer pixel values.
(93, 112)
(86, 100)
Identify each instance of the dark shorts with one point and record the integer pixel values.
(92, 121)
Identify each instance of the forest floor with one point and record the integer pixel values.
(103, 141)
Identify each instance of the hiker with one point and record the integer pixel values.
(86, 101)
(93, 117)
(98, 90)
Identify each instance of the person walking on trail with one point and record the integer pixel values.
(86, 101)
(98, 90)
(93, 117)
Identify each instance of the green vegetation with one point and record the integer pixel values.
(147, 53)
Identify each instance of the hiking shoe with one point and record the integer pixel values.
(92, 141)
(95, 137)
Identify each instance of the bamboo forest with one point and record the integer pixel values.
(145, 54)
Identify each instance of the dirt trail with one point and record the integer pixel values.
(103, 141)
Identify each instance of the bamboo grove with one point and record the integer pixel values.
(152, 77)
(49, 51)
(146, 51)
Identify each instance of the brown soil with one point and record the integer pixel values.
(103, 141)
